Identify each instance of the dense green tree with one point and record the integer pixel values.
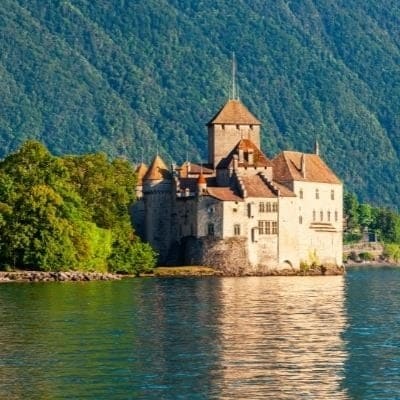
(71, 213)
(126, 77)
(351, 210)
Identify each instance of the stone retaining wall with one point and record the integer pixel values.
(39, 276)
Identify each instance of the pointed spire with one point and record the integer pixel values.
(157, 170)
(235, 91)
(316, 147)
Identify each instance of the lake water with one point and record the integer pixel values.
(203, 338)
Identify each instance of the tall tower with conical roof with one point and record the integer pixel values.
(157, 195)
(232, 123)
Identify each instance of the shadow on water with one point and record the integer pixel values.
(372, 370)
(227, 338)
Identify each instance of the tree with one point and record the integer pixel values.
(351, 207)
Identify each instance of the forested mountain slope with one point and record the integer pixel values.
(126, 76)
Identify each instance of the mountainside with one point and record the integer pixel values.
(128, 76)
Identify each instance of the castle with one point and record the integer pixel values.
(242, 212)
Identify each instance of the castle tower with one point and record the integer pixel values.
(137, 209)
(232, 123)
(157, 195)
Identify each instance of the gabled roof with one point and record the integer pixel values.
(140, 171)
(157, 170)
(256, 187)
(259, 158)
(223, 194)
(234, 112)
(288, 167)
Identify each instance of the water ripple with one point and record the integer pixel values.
(229, 338)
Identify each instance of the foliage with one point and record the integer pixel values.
(68, 213)
(392, 252)
(362, 216)
(366, 256)
(125, 77)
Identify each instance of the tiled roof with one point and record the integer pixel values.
(256, 187)
(157, 170)
(259, 158)
(283, 190)
(287, 167)
(234, 112)
(141, 172)
(223, 194)
(189, 168)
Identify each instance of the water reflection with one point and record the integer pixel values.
(228, 338)
(281, 338)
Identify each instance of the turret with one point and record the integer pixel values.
(157, 194)
(201, 184)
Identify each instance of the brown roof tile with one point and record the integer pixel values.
(157, 170)
(234, 112)
(260, 159)
(223, 194)
(287, 167)
(189, 168)
(140, 171)
(256, 187)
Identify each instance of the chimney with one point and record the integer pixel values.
(235, 161)
(201, 184)
(250, 156)
(303, 165)
(241, 155)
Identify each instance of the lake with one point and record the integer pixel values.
(203, 338)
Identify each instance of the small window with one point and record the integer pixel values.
(211, 229)
(268, 207)
(332, 195)
(300, 219)
(336, 216)
(301, 193)
(317, 193)
(261, 227)
(261, 207)
(274, 227)
(329, 216)
(267, 227)
(274, 207)
(321, 216)
(236, 230)
(314, 215)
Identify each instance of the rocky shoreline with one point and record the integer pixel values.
(40, 276)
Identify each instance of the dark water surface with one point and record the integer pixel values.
(204, 338)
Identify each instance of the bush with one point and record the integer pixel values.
(366, 256)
